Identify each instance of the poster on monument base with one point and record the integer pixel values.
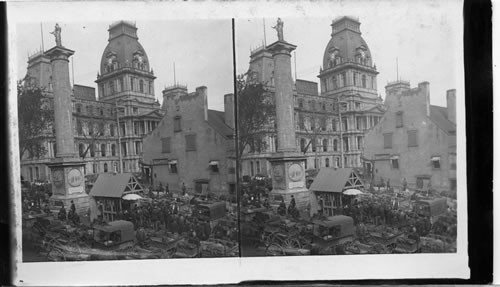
(381, 129)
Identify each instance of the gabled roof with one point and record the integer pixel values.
(376, 108)
(216, 120)
(115, 185)
(336, 180)
(439, 115)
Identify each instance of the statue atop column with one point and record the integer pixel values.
(57, 34)
(279, 29)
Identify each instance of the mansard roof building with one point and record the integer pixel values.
(330, 121)
(116, 121)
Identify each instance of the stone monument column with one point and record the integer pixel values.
(68, 182)
(288, 165)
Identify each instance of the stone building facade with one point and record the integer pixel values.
(414, 140)
(330, 121)
(117, 120)
(192, 145)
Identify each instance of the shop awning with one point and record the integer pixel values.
(213, 162)
(395, 157)
(172, 161)
(436, 158)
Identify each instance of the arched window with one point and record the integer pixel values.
(334, 125)
(105, 167)
(131, 83)
(112, 87)
(334, 82)
(354, 79)
(113, 150)
(92, 150)
(325, 145)
(141, 86)
(327, 162)
(343, 79)
(103, 150)
(335, 145)
(363, 81)
(313, 144)
(112, 130)
(122, 88)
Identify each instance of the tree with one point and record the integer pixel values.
(256, 113)
(35, 118)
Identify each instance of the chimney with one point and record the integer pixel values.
(202, 92)
(451, 105)
(229, 110)
(424, 89)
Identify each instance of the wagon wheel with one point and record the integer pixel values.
(292, 243)
(275, 250)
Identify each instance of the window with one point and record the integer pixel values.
(313, 124)
(123, 130)
(131, 83)
(355, 79)
(138, 148)
(78, 108)
(214, 166)
(151, 87)
(323, 106)
(101, 128)
(251, 169)
(101, 112)
(323, 124)
(316, 163)
(343, 79)
(190, 142)
(360, 143)
(112, 130)
(141, 86)
(453, 161)
(335, 145)
(303, 145)
(112, 87)
(436, 162)
(334, 82)
(313, 144)
(388, 140)
(301, 103)
(92, 150)
(325, 145)
(79, 127)
(334, 125)
(357, 105)
(363, 81)
(81, 149)
(122, 88)
(345, 125)
(345, 144)
(395, 162)
(327, 162)
(258, 166)
(94, 168)
(103, 150)
(177, 123)
(413, 138)
(105, 167)
(113, 150)
(124, 149)
(399, 119)
(301, 122)
(375, 121)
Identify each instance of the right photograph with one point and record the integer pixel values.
(347, 134)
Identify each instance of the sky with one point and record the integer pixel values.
(183, 42)
(422, 43)
(423, 37)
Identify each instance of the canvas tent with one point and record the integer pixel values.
(328, 187)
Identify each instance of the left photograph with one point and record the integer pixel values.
(126, 140)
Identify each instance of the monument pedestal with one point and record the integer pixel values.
(289, 178)
(68, 184)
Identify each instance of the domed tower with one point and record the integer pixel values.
(125, 69)
(347, 62)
